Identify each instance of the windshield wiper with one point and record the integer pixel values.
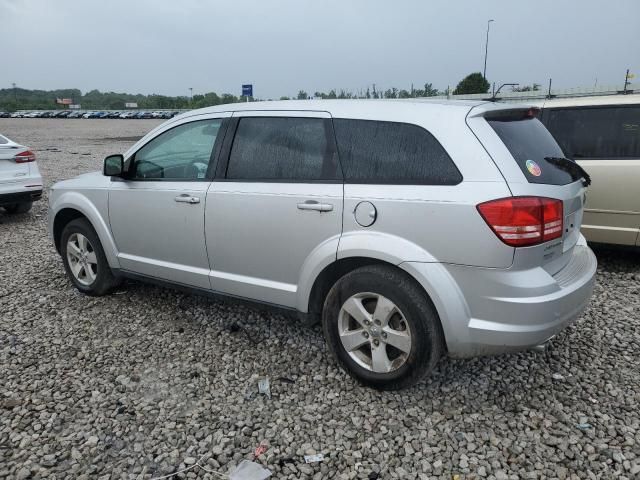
(571, 167)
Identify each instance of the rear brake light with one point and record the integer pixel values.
(25, 157)
(524, 221)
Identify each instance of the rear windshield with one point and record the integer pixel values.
(530, 143)
(3, 140)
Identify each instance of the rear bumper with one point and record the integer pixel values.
(20, 197)
(27, 188)
(503, 311)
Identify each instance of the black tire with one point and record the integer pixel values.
(427, 339)
(23, 207)
(105, 281)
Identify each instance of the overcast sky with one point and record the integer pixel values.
(281, 46)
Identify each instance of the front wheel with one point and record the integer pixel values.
(84, 259)
(382, 328)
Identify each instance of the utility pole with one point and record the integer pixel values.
(486, 51)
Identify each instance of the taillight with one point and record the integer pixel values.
(524, 221)
(25, 157)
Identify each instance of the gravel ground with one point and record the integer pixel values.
(147, 381)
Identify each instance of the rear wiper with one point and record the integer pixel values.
(571, 167)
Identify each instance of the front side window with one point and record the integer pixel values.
(282, 148)
(391, 152)
(182, 153)
(596, 132)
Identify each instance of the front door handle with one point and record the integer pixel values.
(186, 198)
(313, 205)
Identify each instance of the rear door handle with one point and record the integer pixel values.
(313, 205)
(186, 198)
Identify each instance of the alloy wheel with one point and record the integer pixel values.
(82, 259)
(374, 332)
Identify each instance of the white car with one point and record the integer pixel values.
(20, 180)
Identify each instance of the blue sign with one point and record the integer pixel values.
(247, 90)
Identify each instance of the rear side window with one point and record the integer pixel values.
(529, 142)
(596, 132)
(283, 148)
(391, 152)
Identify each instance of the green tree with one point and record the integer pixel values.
(472, 83)
(285, 98)
(302, 95)
(429, 91)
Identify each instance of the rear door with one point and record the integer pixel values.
(605, 141)
(522, 148)
(277, 202)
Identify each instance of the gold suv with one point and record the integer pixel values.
(603, 135)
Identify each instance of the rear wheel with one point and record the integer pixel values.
(382, 328)
(84, 259)
(23, 207)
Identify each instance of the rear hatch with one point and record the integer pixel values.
(10, 171)
(533, 164)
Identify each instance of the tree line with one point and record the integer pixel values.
(12, 99)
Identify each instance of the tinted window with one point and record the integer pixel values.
(529, 142)
(282, 148)
(182, 153)
(3, 140)
(390, 152)
(596, 132)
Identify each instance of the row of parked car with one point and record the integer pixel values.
(166, 114)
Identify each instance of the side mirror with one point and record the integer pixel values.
(113, 165)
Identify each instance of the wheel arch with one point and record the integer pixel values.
(336, 270)
(73, 205)
(61, 220)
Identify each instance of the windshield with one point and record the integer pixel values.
(531, 146)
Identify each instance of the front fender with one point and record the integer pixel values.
(96, 211)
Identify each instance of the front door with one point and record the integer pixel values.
(157, 212)
(278, 203)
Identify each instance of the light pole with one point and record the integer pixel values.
(191, 96)
(486, 49)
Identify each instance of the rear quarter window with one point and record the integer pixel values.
(392, 153)
(530, 143)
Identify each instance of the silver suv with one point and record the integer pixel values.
(409, 228)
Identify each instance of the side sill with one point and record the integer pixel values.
(305, 318)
